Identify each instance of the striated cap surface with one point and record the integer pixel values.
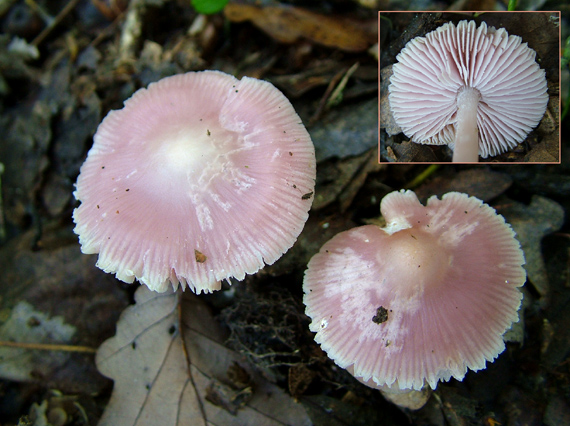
(422, 300)
(199, 178)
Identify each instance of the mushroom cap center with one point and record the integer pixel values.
(418, 260)
(185, 151)
(190, 160)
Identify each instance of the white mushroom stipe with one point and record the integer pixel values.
(467, 136)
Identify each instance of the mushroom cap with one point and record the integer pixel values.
(432, 71)
(199, 178)
(421, 300)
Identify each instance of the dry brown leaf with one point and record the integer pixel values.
(172, 376)
(287, 24)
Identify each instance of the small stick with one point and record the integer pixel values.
(48, 347)
(55, 22)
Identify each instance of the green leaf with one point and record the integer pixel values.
(565, 60)
(209, 7)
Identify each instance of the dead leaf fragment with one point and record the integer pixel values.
(49, 272)
(200, 257)
(531, 224)
(299, 378)
(355, 123)
(226, 397)
(288, 24)
(171, 368)
(386, 118)
(28, 325)
(344, 178)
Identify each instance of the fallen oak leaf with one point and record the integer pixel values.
(135, 359)
(210, 360)
(169, 363)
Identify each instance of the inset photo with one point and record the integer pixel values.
(469, 87)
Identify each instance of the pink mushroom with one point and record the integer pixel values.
(423, 299)
(478, 90)
(199, 178)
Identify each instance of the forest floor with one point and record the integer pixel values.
(65, 65)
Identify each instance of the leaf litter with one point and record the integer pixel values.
(28, 325)
(170, 367)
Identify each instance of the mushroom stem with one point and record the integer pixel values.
(404, 398)
(467, 136)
